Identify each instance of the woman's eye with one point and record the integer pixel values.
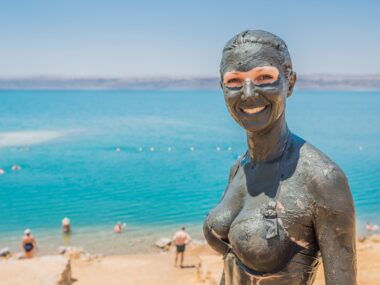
(234, 82)
(265, 77)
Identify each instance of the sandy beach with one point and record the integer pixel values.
(202, 266)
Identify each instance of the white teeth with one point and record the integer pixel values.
(253, 110)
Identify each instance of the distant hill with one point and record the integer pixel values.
(309, 82)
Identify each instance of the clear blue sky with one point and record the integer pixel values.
(180, 38)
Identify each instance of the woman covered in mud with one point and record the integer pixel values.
(286, 204)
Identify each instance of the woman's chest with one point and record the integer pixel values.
(257, 202)
(264, 222)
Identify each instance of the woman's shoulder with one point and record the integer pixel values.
(324, 176)
(312, 158)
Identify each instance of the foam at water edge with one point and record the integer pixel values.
(9, 139)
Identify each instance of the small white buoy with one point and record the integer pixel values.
(217, 148)
(16, 167)
(229, 148)
(169, 148)
(151, 149)
(118, 149)
(192, 148)
(140, 149)
(2, 171)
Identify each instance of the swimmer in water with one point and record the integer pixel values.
(16, 167)
(66, 226)
(118, 228)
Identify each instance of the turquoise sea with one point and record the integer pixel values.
(176, 151)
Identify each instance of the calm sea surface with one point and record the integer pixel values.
(176, 151)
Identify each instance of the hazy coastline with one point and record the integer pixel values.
(304, 82)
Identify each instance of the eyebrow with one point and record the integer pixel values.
(259, 68)
(255, 69)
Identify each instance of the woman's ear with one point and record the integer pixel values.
(292, 82)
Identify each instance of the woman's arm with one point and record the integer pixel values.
(335, 228)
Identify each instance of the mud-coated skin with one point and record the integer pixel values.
(286, 204)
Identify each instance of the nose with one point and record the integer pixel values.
(248, 89)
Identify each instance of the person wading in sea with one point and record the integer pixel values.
(180, 240)
(28, 243)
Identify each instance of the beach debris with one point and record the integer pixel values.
(77, 253)
(16, 167)
(71, 252)
(5, 252)
(362, 238)
(2, 171)
(163, 243)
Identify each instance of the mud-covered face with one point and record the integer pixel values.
(254, 85)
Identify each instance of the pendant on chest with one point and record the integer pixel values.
(270, 219)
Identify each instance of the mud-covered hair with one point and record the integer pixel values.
(263, 38)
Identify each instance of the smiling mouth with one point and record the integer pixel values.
(252, 111)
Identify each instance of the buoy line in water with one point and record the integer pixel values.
(14, 168)
(119, 149)
(169, 149)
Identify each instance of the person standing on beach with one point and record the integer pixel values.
(28, 243)
(180, 240)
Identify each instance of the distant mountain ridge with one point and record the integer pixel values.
(305, 82)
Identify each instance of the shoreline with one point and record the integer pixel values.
(135, 239)
(101, 240)
(202, 266)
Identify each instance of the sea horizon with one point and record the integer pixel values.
(305, 82)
